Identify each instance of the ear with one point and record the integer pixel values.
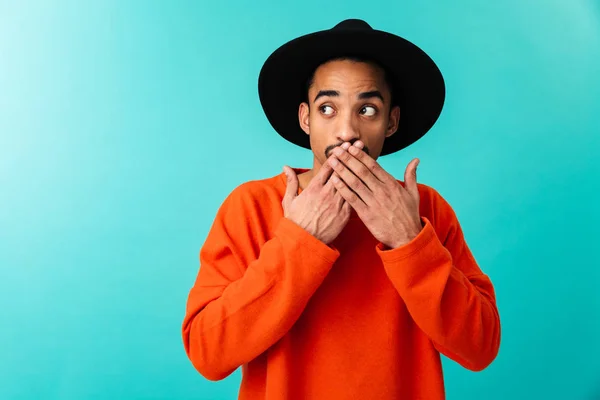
(393, 121)
(303, 117)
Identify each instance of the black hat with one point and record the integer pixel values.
(418, 85)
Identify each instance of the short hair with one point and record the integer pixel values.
(386, 76)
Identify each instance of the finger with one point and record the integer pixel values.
(337, 197)
(357, 167)
(348, 194)
(323, 175)
(353, 181)
(340, 201)
(291, 189)
(372, 165)
(410, 177)
(329, 186)
(346, 207)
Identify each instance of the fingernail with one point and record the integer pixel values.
(346, 146)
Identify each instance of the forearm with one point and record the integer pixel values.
(457, 312)
(229, 325)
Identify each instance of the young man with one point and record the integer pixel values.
(341, 282)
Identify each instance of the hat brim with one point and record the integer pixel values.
(419, 86)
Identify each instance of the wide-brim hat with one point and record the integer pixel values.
(418, 84)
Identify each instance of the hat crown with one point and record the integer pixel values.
(352, 25)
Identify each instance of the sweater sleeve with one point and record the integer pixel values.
(446, 293)
(246, 296)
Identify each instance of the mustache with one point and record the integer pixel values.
(333, 146)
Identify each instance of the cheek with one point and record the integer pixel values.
(321, 130)
(319, 141)
(373, 134)
(318, 121)
(374, 129)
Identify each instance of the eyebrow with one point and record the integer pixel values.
(370, 95)
(362, 96)
(328, 93)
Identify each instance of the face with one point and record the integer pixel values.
(348, 101)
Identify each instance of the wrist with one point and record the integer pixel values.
(405, 238)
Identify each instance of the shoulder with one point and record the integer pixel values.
(438, 211)
(431, 198)
(254, 195)
(258, 188)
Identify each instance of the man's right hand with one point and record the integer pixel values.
(319, 209)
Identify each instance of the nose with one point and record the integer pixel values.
(346, 130)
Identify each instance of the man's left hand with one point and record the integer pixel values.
(389, 210)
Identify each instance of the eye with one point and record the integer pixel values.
(327, 110)
(368, 110)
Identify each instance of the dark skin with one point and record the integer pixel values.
(348, 119)
(348, 101)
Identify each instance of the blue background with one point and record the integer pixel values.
(123, 126)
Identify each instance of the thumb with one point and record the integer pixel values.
(410, 177)
(291, 189)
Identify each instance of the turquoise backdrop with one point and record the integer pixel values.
(124, 124)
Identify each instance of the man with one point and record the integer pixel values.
(341, 282)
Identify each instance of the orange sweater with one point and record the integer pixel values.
(352, 320)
